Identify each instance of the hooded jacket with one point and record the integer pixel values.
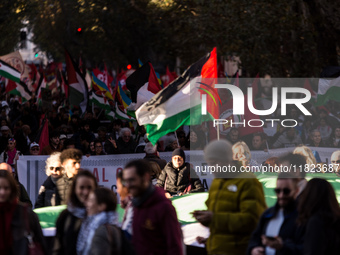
(156, 229)
(175, 180)
(237, 205)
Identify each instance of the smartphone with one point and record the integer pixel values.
(271, 238)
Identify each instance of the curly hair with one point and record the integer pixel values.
(70, 154)
(51, 161)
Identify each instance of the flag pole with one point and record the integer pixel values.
(177, 139)
(218, 132)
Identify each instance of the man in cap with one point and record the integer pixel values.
(34, 149)
(178, 177)
(235, 203)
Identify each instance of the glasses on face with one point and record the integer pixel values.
(285, 191)
(58, 168)
(35, 149)
(335, 162)
(126, 136)
(10, 143)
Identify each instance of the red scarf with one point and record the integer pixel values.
(6, 215)
(11, 156)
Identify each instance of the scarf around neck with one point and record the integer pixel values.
(79, 212)
(89, 227)
(11, 156)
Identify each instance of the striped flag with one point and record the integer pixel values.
(77, 87)
(9, 72)
(180, 102)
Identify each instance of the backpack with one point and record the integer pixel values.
(121, 245)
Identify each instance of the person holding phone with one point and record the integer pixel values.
(277, 231)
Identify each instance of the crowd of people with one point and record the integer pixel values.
(304, 220)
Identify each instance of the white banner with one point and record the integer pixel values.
(31, 169)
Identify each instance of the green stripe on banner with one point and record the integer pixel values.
(333, 93)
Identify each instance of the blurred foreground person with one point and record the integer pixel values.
(277, 231)
(126, 204)
(69, 221)
(319, 212)
(48, 192)
(17, 220)
(235, 203)
(22, 194)
(98, 234)
(156, 229)
(178, 177)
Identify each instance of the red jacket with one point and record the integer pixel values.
(156, 230)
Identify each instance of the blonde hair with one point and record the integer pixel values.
(307, 152)
(245, 149)
(50, 161)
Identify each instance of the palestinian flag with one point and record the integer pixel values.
(9, 72)
(77, 87)
(329, 89)
(180, 102)
(143, 85)
(122, 114)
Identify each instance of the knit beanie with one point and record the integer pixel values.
(179, 152)
(219, 150)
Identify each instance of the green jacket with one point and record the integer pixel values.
(237, 205)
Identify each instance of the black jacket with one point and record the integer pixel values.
(48, 194)
(177, 180)
(322, 237)
(291, 234)
(23, 196)
(67, 227)
(18, 228)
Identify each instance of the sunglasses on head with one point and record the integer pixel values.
(285, 191)
(58, 168)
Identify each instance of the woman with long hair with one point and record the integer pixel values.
(70, 220)
(319, 212)
(242, 153)
(17, 221)
(98, 233)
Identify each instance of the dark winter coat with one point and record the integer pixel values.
(48, 194)
(178, 179)
(20, 242)
(322, 237)
(291, 234)
(67, 227)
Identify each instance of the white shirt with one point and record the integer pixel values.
(273, 229)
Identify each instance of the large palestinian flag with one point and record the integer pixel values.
(180, 103)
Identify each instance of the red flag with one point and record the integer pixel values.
(44, 136)
(209, 75)
(10, 85)
(153, 86)
(168, 77)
